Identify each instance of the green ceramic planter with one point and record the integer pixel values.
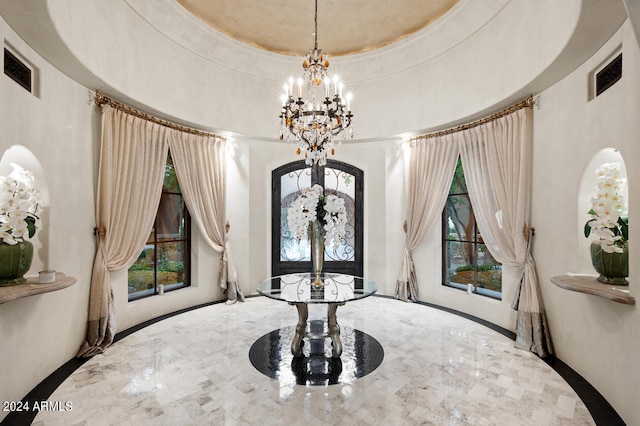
(15, 261)
(612, 267)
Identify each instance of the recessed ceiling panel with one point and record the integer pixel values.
(344, 26)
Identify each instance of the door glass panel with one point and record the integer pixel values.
(343, 185)
(291, 186)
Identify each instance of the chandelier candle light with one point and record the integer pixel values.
(313, 109)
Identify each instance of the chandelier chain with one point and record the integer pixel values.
(315, 33)
(316, 113)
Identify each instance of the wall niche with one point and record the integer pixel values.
(588, 190)
(26, 159)
(584, 279)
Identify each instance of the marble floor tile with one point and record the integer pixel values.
(194, 369)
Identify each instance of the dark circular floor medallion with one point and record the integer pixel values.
(271, 355)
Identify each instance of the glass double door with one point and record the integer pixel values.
(289, 181)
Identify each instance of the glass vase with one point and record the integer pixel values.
(317, 251)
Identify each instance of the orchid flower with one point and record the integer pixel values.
(608, 214)
(20, 206)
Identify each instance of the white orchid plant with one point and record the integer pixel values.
(20, 206)
(609, 217)
(313, 205)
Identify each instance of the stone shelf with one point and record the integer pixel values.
(589, 285)
(32, 287)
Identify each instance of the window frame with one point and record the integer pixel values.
(475, 241)
(160, 241)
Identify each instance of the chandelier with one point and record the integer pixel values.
(315, 112)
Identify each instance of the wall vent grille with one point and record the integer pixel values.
(17, 70)
(609, 75)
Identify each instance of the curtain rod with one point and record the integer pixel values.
(101, 100)
(527, 103)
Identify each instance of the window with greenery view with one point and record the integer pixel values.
(465, 257)
(165, 257)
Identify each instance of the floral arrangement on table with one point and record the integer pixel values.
(609, 220)
(20, 205)
(313, 205)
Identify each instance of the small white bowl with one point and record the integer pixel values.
(45, 277)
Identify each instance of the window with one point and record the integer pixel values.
(467, 264)
(164, 263)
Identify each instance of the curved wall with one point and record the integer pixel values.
(598, 338)
(219, 84)
(40, 333)
(401, 89)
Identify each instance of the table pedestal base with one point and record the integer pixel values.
(333, 329)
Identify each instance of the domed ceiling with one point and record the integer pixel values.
(344, 26)
(429, 64)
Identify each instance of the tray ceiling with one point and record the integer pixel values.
(344, 26)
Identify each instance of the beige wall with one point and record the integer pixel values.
(598, 338)
(40, 333)
(61, 127)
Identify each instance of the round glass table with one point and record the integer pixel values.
(298, 290)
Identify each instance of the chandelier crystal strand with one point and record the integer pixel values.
(314, 110)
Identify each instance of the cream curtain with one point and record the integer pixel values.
(431, 166)
(201, 171)
(496, 157)
(132, 164)
(132, 159)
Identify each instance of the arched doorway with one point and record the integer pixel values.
(341, 179)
